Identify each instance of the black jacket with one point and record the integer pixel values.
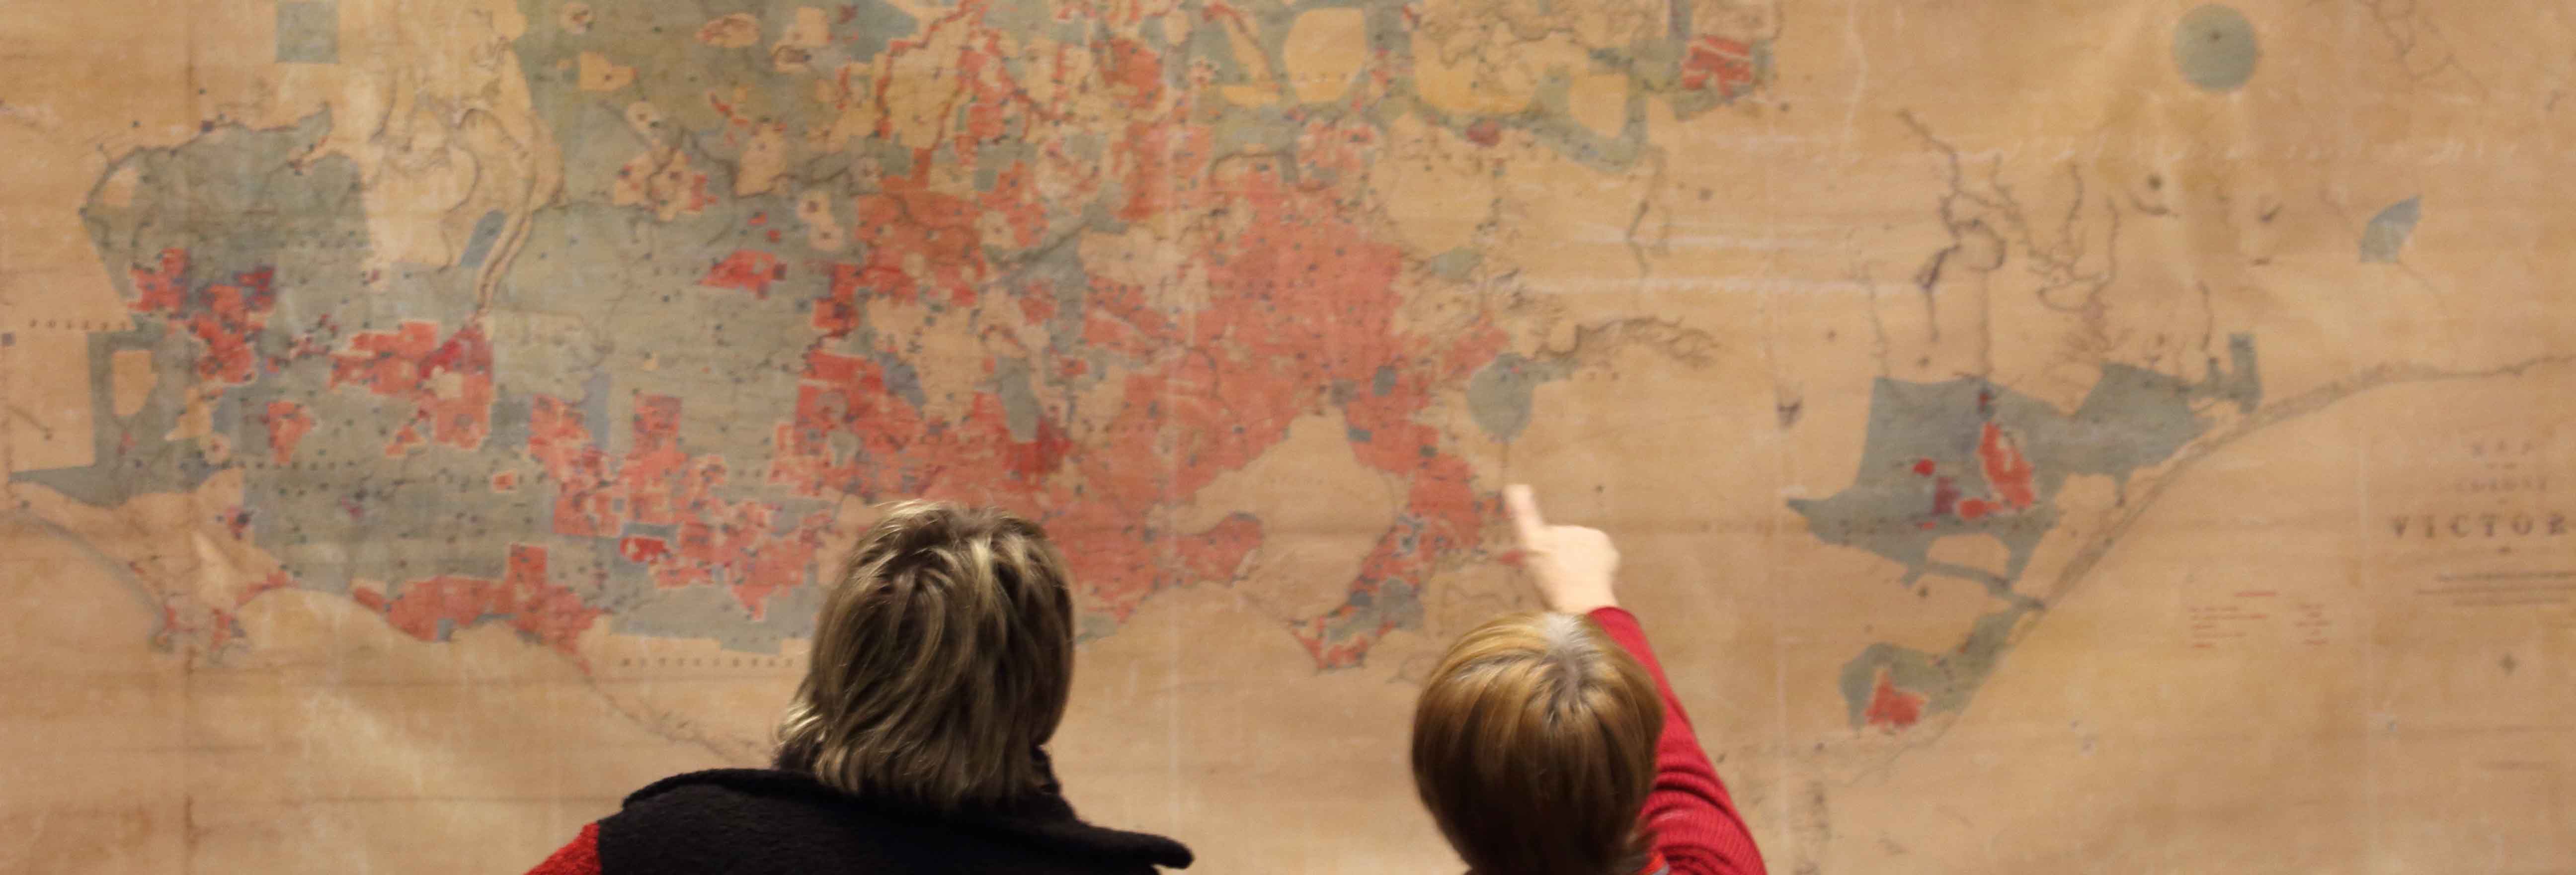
(764, 821)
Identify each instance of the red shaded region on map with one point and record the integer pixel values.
(1298, 319)
(1718, 64)
(741, 545)
(846, 395)
(1892, 708)
(448, 382)
(226, 317)
(2005, 468)
(919, 241)
(1305, 300)
(750, 270)
(163, 287)
(432, 609)
(837, 312)
(2006, 471)
(976, 459)
(287, 424)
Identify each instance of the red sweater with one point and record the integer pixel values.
(581, 857)
(1697, 830)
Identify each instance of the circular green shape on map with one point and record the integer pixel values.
(2214, 47)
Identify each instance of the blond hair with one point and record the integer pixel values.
(942, 661)
(1534, 748)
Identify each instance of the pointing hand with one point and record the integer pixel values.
(1572, 565)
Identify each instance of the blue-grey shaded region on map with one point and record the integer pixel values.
(599, 305)
(1924, 476)
(342, 511)
(2385, 236)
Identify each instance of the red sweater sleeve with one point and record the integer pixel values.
(1696, 827)
(581, 857)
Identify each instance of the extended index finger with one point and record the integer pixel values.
(1524, 508)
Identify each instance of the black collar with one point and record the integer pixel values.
(1043, 818)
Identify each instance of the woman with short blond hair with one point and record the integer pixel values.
(1551, 744)
(942, 663)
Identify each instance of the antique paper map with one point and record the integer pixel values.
(2123, 436)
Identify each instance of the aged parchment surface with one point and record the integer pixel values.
(2120, 436)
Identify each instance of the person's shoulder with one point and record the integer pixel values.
(761, 820)
(1087, 848)
(716, 818)
(715, 785)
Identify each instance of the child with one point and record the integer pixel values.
(1550, 744)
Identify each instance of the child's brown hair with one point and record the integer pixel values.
(1534, 748)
